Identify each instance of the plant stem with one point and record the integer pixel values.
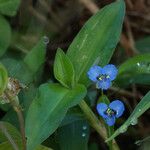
(17, 108)
(93, 120)
(8, 136)
(95, 123)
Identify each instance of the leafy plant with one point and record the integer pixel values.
(57, 113)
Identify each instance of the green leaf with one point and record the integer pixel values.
(8, 146)
(15, 136)
(36, 57)
(142, 106)
(63, 69)
(73, 114)
(5, 35)
(135, 62)
(93, 146)
(96, 41)
(3, 78)
(14, 133)
(9, 7)
(48, 109)
(18, 69)
(74, 136)
(134, 70)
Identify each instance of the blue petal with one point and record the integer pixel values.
(103, 84)
(111, 71)
(94, 72)
(101, 108)
(110, 120)
(118, 106)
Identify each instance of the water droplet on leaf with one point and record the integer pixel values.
(123, 129)
(84, 127)
(138, 64)
(134, 121)
(138, 142)
(46, 39)
(140, 110)
(2, 102)
(83, 134)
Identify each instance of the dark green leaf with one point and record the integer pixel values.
(73, 114)
(7, 127)
(8, 146)
(19, 70)
(93, 146)
(9, 7)
(134, 70)
(13, 134)
(97, 40)
(5, 35)
(74, 136)
(48, 109)
(63, 69)
(36, 57)
(3, 78)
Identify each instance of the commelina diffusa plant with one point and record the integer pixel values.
(62, 110)
(103, 77)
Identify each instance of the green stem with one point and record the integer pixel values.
(93, 120)
(18, 110)
(109, 132)
(95, 123)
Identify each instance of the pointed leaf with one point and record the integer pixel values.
(36, 57)
(48, 109)
(96, 41)
(63, 69)
(5, 35)
(9, 7)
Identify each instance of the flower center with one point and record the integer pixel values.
(110, 112)
(102, 77)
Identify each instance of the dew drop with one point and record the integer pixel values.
(83, 135)
(84, 127)
(134, 121)
(140, 110)
(138, 64)
(2, 102)
(138, 142)
(46, 39)
(123, 129)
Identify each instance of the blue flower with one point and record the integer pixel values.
(111, 112)
(102, 76)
